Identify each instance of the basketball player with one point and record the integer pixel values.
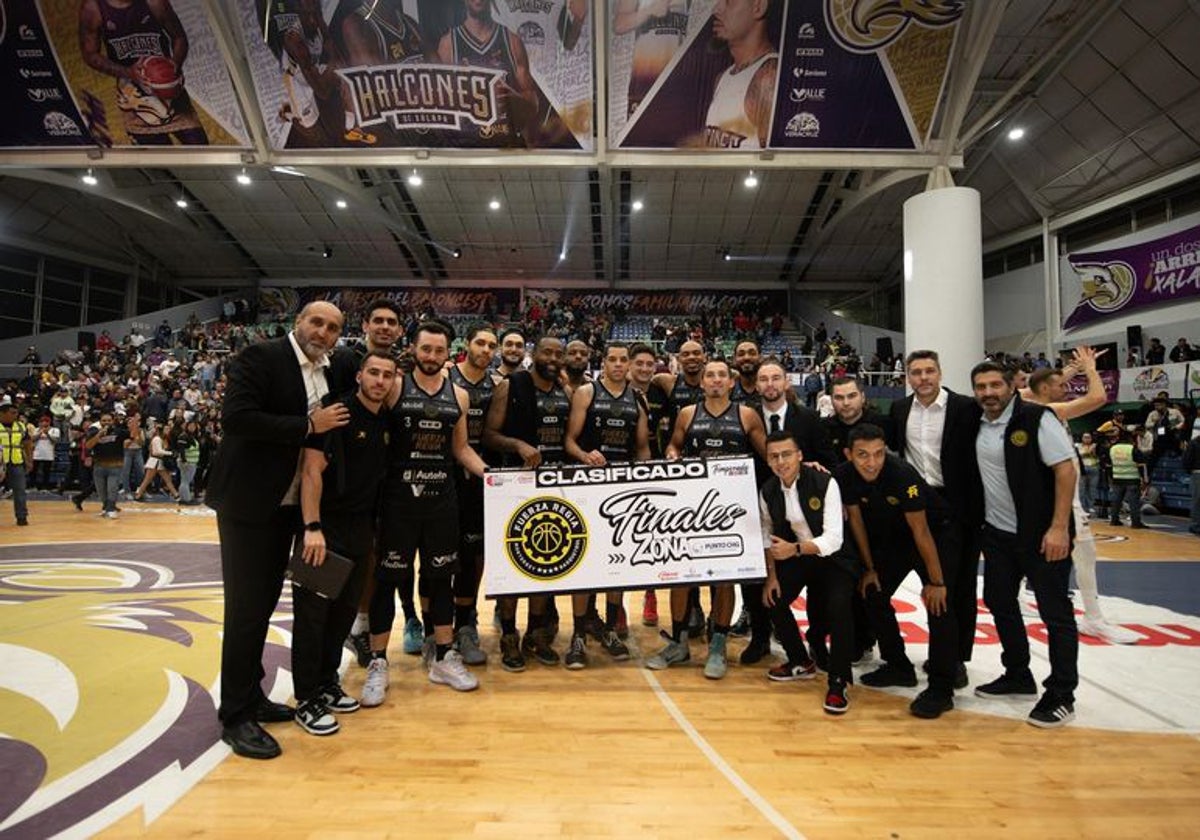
(527, 422)
(607, 424)
(420, 511)
(132, 31)
(473, 376)
(746, 359)
(739, 114)
(480, 41)
(676, 390)
(576, 363)
(373, 32)
(512, 352)
(713, 427)
(660, 27)
(1048, 387)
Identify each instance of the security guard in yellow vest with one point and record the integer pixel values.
(1126, 481)
(16, 452)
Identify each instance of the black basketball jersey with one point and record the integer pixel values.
(553, 410)
(708, 435)
(494, 54)
(397, 36)
(611, 424)
(741, 395)
(131, 33)
(682, 394)
(421, 453)
(479, 397)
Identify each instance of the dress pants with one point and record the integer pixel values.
(254, 557)
(828, 585)
(320, 625)
(958, 550)
(1005, 563)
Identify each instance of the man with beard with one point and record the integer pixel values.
(746, 358)
(714, 427)
(512, 352)
(577, 359)
(272, 403)
(420, 512)
(607, 424)
(673, 391)
(850, 409)
(527, 422)
(473, 376)
(1026, 462)
(338, 513)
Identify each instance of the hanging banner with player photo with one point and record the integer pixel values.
(743, 75)
(114, 73)
(623, 526)
(1115, 282)
(386, 74)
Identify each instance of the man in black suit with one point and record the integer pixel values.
(272, 403)
(934, 429)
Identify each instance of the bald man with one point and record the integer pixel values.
(273, 401)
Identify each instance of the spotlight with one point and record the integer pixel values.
(327, 253)
(562, 255)
(726, 255)
(494, 204)
(341, 204)
(89, 178)
(414, 180)
(456, 253)
(637, 205)
(1016, 134)
(243, 178)
(751, 180)
(181, 203)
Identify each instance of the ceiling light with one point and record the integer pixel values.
(243, 178)
(751, 180)
(414, 180)
(637, 205)
(181, 203)
(727, 256)
(457, 252)
(287, 170)
(1016, 134)
(562, 255)
(494, 204)
(89, 178)
(327, 253)
(341, 204)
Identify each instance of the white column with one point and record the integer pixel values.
(943, 280)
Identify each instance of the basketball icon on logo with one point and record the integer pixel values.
(545, 539)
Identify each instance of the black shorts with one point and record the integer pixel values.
(470, 514)
(430, 530)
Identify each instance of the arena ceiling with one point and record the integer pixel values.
(1107, 92)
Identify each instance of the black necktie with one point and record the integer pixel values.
(774, 422)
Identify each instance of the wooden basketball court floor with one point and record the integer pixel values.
(109, 649)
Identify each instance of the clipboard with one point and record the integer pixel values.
(326, 580)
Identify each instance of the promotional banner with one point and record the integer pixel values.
(696, 302)
(1122, 280)
(783, 74)
(508, 74)
(279, 300)
(1078, 385)
(622, 526)
(1142, 383)
(114, 73)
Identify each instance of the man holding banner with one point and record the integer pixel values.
(712, 428)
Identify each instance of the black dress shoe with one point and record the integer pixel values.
(268, 712)
(250, 740)
(755, 652)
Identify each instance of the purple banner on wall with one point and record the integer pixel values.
(1122, 280)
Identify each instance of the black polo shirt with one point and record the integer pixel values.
(839, 432)
(898, 490)
(357, 454)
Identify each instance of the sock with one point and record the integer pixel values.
(611, 609)
(508, 625)
(360, 624)
(442, 650)
(463, 615)
(581, 625)
(720, 628)
(678, 628)
(427, 620)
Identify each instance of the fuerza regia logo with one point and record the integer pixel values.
(546, 538)
(865, 26)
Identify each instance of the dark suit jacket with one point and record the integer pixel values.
(264, 420)
(808, 432)
(960, 469)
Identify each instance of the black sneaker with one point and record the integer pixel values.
(360, 645)
(511, 658)
(960, 673)
(741, 627)
(789, 672)
(1009, 685)
(613, 646)
(577, 654)
(78, 502)
(930, 704)
(1051, 712)
(537, 645)
(315, 719)
(755, 651)
(338, 701)
(889, 675)
(837, 700)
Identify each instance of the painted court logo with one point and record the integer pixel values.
(546, 538)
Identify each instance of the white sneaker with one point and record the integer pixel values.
(110, 514)
(376, 684)
(1114, 634)
(452, 672)
(314, 718)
